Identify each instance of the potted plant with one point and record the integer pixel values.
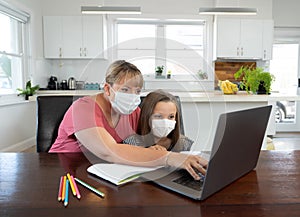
(159, 70)
(254, 79)
(29, 90)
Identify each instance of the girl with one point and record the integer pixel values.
(159, 124)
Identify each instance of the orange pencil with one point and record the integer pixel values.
(76, 188)
(71, 184)
(64, 189)
(59, 197)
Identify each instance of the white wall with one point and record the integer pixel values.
(17, 128)
(286, 13)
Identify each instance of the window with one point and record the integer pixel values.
(12, 49)
(177, 45)
(284, 66)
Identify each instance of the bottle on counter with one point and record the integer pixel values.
(169, 74)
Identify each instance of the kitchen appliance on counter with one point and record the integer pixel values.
(79, 85)
(52, 84)
(72, 83)
(64, 85)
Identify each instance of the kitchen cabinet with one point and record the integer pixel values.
(74, 37)
(53, 41)
(239, 38)
(268, 34)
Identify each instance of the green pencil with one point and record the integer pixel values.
(99, 193)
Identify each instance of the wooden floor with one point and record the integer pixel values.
(286, 141)
(30, 150)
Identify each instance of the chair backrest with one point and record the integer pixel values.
(50, 112)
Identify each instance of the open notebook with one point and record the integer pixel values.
(118, 173)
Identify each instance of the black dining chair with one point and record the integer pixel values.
(50, 112)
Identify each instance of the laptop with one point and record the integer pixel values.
(235, 151)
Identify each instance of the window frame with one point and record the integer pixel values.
(165, 23)
(22, 19)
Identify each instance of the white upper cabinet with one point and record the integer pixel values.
(228, 38)
(53, 40)
(251, 39)
(241, 38)
(94, 39)
(74, 37)
(268, 36)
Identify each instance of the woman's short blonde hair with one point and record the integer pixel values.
(120, 70)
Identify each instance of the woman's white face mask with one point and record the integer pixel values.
(162, 127)
(125, 103)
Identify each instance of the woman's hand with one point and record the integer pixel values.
(192, 163)
(158, 147)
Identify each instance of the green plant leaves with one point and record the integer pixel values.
(252, 77)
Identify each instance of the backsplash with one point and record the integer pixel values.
(226, 70)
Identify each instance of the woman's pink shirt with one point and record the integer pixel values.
(85, 113)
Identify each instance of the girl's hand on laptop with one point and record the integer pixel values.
(192, 163)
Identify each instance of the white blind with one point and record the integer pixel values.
(9, 10)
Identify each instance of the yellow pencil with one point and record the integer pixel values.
(71, 184)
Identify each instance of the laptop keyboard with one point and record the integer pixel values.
(188, 181)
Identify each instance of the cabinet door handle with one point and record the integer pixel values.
(237, 51)
(85, 51)
(265, 54)
(60, 52)
(242, 51)
(80, 51)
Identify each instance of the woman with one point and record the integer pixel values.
(100, 123)
(159, 124)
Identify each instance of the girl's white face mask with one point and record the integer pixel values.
(162, 127)
(125, 103)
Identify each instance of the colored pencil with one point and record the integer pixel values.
(64, 189)
(99, 193)
(76, 188)
(67, 193)
(71, 184)
(59, 197)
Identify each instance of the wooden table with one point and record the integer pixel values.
(29, 186)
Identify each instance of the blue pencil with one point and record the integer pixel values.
(67, 193)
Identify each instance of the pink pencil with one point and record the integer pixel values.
(76, 188)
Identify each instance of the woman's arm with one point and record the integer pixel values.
(99, 142)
